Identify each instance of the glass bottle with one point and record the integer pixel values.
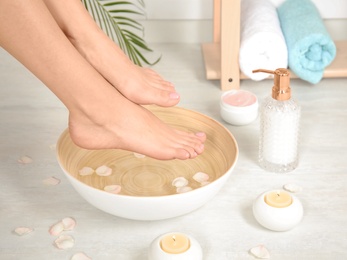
(279, 126)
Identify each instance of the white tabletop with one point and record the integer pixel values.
(32, 118)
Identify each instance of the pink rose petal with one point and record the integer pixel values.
(21, 231)
(201, 177)
(184, 189)
(68, 223)
(115, 189)
(260, 252)
(25, 160)
(80, 256)
(64, 242)
(52, 181)
(56, 229)
(103, 171)
(179, 182)
(86, 171)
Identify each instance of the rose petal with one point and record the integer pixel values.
(260, 252)
(80, 256)
(53, 147)
(68, 223)
(183, 189)
(56, 229)
(179, 182)
(103, 171)
(52, 181)
(86, 171)
(21, 231)
(115, 189)
(64, 242)
(204, 183)
(138, 155)
(201, 177)
(25, 160)
(291, 187)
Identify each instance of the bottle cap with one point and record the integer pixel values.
(281, 89)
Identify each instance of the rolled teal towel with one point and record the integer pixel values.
(310, 47)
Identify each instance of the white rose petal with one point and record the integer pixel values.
(179, 182)
(103, 171)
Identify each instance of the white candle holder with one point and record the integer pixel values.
(194, 251)
(277, 219)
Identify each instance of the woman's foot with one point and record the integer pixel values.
(133, 128)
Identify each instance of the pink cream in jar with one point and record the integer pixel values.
(239, 107)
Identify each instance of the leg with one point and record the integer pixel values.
(140, 85)
(29, 32)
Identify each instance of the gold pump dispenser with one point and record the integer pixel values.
(281, 89)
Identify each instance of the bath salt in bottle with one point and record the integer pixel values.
(279, 126)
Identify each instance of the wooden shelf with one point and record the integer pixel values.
(221, 56)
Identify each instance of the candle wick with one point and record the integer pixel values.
(174, 238)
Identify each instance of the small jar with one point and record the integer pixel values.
(281, 215)
(239, 107)
(175, 246)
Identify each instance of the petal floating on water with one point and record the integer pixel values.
(179, 182)
(115, 189)
(201, 177)
(86, 171)
(184, 189)
(138, 155)
(103, 171)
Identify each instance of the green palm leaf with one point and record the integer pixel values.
(113, 18)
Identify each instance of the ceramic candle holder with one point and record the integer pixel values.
(276, 218)
(239, 107)
(157, 250)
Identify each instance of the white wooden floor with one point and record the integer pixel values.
(32, 118)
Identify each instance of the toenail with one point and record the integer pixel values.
(174, 95)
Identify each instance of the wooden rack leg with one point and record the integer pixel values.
(216, 21)
(230, 44)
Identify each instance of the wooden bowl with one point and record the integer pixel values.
(147, 192)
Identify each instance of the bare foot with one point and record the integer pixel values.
(134, 128)
(141, 85)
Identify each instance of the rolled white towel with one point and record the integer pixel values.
(262, 42)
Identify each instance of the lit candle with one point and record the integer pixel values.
(278, 210)
(175, 246)
(175, 243)
(278, 199)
